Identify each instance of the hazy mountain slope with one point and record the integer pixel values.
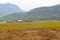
(41, 13)
(45, 13)
(14, 16)
(8, 8)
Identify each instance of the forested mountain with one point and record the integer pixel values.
(6, 9)
(41, 13)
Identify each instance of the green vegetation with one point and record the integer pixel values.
(41, 13)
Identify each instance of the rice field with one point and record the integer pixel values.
(29, 25)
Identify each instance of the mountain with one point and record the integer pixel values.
(41, 13)
(45, 13)
(6, 9)
(14, 16)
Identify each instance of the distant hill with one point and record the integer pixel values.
(6, 9)
(45, 13)
(14, 16)
(41, 13)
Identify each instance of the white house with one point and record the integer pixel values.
(8, 21)
(4, 21)
(19, 20)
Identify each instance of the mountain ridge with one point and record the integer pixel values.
(41, 13)
(8, 8)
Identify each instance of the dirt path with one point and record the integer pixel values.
(36, 34)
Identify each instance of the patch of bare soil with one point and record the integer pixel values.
(36, 34)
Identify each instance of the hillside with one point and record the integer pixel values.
(41, 13)
(14, 16)
(6, 9)
(45, 13)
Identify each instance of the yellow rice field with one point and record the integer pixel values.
(29, 25)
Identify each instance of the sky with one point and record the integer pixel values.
(31, 4)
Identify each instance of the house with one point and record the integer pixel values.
(19, 20)
(4, 21)
(11, 21)
(8, 21)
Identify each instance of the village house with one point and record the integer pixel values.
(10, 21)
(19, 20)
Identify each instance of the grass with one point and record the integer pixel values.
(29, 25)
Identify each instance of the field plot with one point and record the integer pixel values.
(38, 30)
(29, 25)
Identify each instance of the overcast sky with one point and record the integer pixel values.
(30, 4)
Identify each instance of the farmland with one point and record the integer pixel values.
(37, 30)
(29, 25)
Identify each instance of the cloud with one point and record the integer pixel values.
(30, 4)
